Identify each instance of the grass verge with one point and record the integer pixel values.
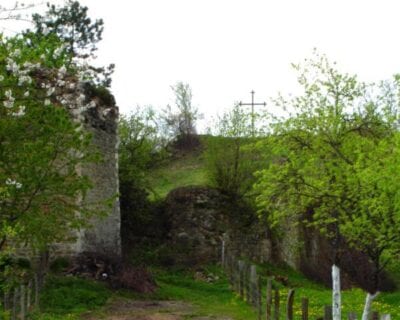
(320, 296)
(208, 290)
(66, 298)
(213, 297)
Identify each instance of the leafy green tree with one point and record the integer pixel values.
(181, 121)
(41, 147)
(72, 24)
(141, 148)
(335, 164)
(79, 33)
(231, 156)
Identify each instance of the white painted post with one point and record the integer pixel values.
(368, 304)
(336, 298)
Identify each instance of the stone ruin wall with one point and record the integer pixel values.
(199, 222)
(103, 237)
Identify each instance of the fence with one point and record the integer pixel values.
(247, 283)
(21, 299)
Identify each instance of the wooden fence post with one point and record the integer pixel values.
(268, 302)
(352, 316)
(253, 285)
(259, 297)
(230, 270)
(29, 295)
(328, 313)
(6, 300)
(375, 315)
(36, 290)
(304, 309)
(237, 276)
(14, 305)
(233, 273)
(276, 304)
(289, 305)
(223, 254)
(247, 282)
(241, 279)
(22, 300)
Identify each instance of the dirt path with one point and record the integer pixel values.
(127, 309)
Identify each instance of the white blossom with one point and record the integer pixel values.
(92, 104)
(81, 98)
(20, 112)
(47, 102)
(106, 112)
(8, 103)
(24, 79)
(16, 53)
(57, 52)
(26, 94)
(1, 78)
(62, 72)
(45, 30)
(12, 182)
(50, 91)
(12, 66)
(29, 65)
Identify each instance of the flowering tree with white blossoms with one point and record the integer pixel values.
(41, 147)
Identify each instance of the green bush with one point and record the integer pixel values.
(59, 264)
(63, 295)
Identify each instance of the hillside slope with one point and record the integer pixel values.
(183, 168)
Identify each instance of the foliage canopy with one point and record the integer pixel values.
(335, 162)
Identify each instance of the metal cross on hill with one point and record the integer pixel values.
(252, 104)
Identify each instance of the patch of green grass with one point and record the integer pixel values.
(68, 297)
(295, 279)
(187, 170)
(320, 296)
(212, 299)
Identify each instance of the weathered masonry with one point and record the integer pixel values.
(104, 236)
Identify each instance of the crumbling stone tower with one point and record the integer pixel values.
(104, 237)
(101, 120)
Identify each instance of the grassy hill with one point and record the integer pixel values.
(183, 168)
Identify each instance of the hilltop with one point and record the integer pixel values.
(185, 166)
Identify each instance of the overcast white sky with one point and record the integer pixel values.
(226, 48)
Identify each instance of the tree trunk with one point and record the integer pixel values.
(368, 304)
(336, 299)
